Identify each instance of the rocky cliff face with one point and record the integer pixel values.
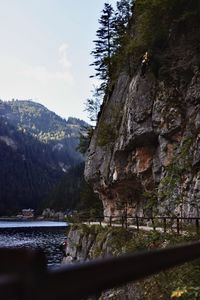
(144, 155)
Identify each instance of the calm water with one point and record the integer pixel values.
(35, 234)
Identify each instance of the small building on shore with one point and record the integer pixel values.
(28, 213)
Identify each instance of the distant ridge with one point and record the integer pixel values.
(37, 147)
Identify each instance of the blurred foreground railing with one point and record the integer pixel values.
(24, 275)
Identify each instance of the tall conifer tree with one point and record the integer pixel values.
(104, 45)
(120, 22)
(110, 35)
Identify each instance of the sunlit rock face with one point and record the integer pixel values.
(144, 156)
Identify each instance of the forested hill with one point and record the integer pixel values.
(40, 122)
(37, 148)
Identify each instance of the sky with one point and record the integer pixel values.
(45, 52)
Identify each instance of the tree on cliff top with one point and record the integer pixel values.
(121, 22)
(104, 45)
(113, 26)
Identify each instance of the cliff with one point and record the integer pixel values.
(144, 154)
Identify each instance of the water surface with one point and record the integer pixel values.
(46, 235)
(25, 224)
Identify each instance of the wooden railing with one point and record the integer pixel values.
(162, 223)
(24, 274)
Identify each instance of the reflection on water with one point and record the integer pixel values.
(34, 236)
(24, 224)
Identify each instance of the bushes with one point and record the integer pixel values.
(150, 28)
(109, 125)
(154, 20)
(106, 134)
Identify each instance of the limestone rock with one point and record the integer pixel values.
(147, 138)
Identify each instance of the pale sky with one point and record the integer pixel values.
(45, 52)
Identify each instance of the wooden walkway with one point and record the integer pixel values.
(104, 224)
(179, 225)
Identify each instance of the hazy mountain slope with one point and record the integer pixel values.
(36, 149)
(47, 127)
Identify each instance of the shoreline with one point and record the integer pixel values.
(16, 219)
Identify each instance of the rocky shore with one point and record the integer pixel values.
(90, 242)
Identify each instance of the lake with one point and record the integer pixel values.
(46, 235)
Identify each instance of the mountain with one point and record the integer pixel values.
(47, 127)
(37, 148)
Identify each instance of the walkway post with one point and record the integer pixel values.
(137, 223)
(122, 221)
(178, 227)
(153, 223)
(165, 225)
(126, 221)
(197, 226)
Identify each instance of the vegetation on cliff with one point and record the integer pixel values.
(151, 28)
(135, 27)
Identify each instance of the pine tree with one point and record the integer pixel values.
(93, 104)
(93, 107)
(104, 45)
(121, 22)
(110, 37)
(84, 140)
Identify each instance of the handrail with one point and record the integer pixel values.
(140, 217)
(90, 278)
(80, 280)
(128, 221)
